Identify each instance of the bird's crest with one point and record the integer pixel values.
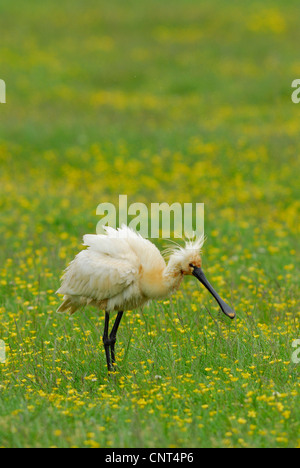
(192, 246)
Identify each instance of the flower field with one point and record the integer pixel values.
(181, 101)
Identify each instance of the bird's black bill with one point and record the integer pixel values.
(198, 273)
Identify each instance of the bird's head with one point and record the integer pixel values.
(187, 260)
(184, 259)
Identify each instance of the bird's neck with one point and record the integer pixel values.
(172, 275)
(159, 284)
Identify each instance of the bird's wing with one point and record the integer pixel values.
(147, 253)
(115, 247)
(124, 243)
(98, 276)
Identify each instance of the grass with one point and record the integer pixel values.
(173, 101)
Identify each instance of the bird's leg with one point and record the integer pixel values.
(106, 342)
(113, 336)
(110, 341)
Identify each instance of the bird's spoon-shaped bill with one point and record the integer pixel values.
(199, 274)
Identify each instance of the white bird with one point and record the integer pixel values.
(120, 270)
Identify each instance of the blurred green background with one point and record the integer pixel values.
(180, 101)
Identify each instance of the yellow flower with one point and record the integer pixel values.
(241, 421)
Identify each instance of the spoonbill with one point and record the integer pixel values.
(120, 270)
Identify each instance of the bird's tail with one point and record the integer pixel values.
(68, 304)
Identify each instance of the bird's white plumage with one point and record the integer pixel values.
(121, 270)
(97, 276)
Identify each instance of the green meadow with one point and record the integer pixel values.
(175, 101)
